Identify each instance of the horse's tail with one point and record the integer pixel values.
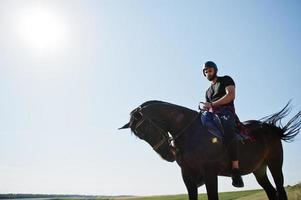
(288, 131)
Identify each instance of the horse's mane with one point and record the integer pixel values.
(291, 129)
(153, 102)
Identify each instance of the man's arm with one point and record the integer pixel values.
(227, 98)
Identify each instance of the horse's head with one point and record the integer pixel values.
(145, 124)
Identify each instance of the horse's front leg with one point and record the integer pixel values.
(210, 178)
(190, 180)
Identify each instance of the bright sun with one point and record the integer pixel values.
(41, 29)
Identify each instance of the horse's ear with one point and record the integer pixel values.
(125, 126)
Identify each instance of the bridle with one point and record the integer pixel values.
(164, 137)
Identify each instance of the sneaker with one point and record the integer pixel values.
(236, 178)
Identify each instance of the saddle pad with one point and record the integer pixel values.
(213, 125)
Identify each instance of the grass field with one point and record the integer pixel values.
(293, 192)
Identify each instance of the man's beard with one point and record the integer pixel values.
(210, 78)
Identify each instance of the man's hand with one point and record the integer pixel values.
(205, 105)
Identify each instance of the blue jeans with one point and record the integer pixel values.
(228, 121)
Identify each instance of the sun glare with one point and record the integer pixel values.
(41, 29)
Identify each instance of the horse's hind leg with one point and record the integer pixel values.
(262, 178)
(275, 167)
(274, 162)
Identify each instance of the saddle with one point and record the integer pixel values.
(214, 126)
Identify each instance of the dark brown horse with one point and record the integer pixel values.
(176, 133)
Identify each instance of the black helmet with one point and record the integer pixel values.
(209, 64)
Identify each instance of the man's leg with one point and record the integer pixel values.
(228, 123)
(233, 150)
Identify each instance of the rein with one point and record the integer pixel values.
(187, 126)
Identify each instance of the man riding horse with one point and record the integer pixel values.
(179, 134)
(220, 100)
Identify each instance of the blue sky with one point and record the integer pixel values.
(71, 71)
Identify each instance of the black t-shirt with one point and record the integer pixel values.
(218, 89)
